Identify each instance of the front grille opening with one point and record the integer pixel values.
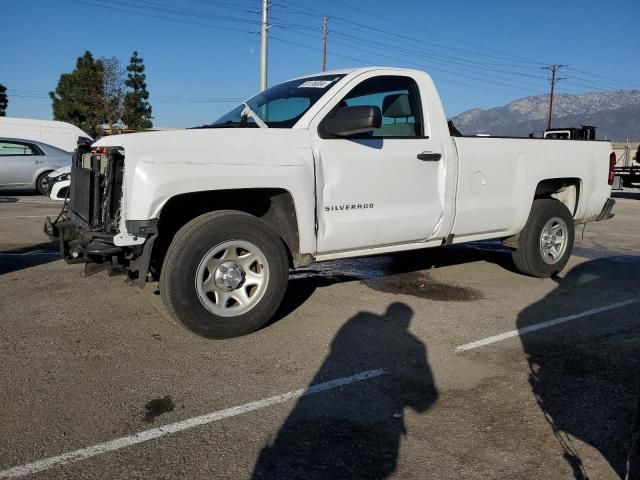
(96, 187)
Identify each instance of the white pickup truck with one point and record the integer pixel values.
(334, 165)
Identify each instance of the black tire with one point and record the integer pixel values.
(529, 257)
(186, 253)
(40, 183)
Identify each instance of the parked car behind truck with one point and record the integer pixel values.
(335, 165)
(26, 164)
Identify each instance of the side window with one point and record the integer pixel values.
(16, 149)
(398, 100)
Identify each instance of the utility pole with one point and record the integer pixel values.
(554, 79)
(324, 45)
(263, 46)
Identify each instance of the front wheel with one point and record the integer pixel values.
(224, 274)
(546, 241)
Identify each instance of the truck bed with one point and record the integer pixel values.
(498, 177)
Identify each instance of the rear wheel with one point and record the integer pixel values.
(224, 274)
(546, 241)
(41, 183)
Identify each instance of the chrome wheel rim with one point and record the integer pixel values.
(553, 240)
(42, 185)
(232, 278)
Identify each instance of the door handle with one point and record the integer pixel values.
(38, 161)
(429, 156)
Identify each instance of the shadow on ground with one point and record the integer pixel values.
(632, 194)
(27, 257)
(355, 432)
(405, 272)
(588, 387)
(9, 196)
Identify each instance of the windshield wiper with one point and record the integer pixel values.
(248, 112)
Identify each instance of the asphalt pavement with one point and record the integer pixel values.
(438, 364)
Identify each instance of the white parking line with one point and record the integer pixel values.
(146, 435)
(540, 326)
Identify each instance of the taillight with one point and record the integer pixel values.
(612, 167)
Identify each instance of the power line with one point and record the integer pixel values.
(288, 4)
(596, 75)
(432, 58)
(460, 63)
(369, 62)
(146, 6)
(148, 14)
(394, 56)
(423, 30)
(154, 98)
(467, 64)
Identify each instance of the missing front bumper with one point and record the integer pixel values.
(80, 245)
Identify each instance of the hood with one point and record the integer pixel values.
(248, 146)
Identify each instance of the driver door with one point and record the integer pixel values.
(381, 188)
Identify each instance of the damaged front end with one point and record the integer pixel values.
(90, 225)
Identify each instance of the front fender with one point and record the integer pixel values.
(150, 184)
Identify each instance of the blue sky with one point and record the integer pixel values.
(201, 53)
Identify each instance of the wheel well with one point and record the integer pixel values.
(565, 190)
(273, 206)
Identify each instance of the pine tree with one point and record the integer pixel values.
(78, 98)
(137, 110)
(4, 100)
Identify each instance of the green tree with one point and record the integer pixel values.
(137, 110)
(78, 98)
(113, 92)
(4, 100)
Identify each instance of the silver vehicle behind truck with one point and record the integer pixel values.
(26, 164)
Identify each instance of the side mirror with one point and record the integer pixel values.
(354, 120)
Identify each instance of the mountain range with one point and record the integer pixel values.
(615, 114)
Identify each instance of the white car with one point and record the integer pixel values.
(334, 165)
(58, 183)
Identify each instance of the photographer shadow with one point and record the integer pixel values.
(354, 431)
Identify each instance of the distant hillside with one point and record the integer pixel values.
(616, 114)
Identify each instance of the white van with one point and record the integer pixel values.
(58, 134)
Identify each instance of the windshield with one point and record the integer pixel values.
(280, 106)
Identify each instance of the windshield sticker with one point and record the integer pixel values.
(316, 84)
